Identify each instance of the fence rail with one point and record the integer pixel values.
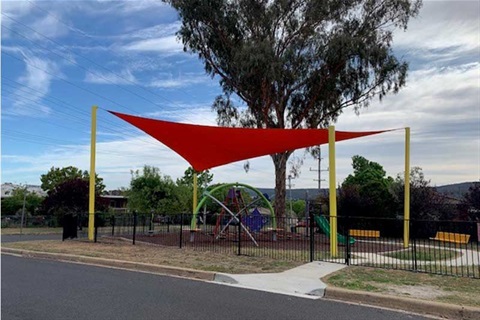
(362, 241)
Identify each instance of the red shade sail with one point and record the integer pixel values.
(205, 147)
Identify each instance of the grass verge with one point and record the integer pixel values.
(449, 289)
(171, 256)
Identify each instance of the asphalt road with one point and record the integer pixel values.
(42, 289)
(29, 237)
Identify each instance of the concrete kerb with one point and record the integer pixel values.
(438, 309)
(136, 266)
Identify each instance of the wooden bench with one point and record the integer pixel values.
(364, 233)
(451, 237)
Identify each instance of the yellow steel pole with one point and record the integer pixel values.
(91, 197)
(195, 190)
(406, 209)
(332, 192)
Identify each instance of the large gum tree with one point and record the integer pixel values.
(295, 64)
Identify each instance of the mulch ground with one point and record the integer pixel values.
(284, 241)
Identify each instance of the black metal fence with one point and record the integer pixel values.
(439, 247)
(15, 221)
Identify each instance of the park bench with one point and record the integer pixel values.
(451, 237)
(364, 233)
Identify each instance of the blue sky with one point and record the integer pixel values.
(59, 58)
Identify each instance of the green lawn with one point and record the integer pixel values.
(425, 254)
(450, 289)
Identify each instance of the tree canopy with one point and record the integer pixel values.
(14, 204)
(471, 202)
(152, 192)
(297, 63)
(70, 196)
(367, 192)
(204, 178)
(425, 201)
(56, 176)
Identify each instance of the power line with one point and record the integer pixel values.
(41, 140)
(81, 66)
(69, 82)
(93, 62)
(121, 131)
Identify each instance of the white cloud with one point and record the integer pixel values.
(160, 30)
(443, 28)
(39, 81)
(181, 81)
(50, 27)
(131, 6)
(441, 107)
(114, 160)
(15, 10)
(167, 45)
(193, 113)
(123, 77)
(431, 95)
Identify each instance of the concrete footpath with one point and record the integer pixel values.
(303, 281)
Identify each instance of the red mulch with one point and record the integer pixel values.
(285, 241)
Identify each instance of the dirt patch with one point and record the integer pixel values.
(420, 291)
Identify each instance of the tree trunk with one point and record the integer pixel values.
(280, 163)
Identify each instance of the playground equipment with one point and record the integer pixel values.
(236, 212)
(323, 224)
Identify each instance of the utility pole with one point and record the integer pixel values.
(290, 188)
(319, 170)
(23, 209)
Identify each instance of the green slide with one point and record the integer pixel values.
(323, 223)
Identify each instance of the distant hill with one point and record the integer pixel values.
(456, 190)
(296, 193)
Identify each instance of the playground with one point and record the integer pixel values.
(307, 244)
(248, 225)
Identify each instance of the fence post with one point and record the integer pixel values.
(347, 245)
(181, 230)
(239, 251)
(414, 249)
(96, 229)
(113, 225)
(312, 235)
(134, 226)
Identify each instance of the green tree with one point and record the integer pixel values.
(150, 192)
(204, 178)
(425, 202)
(56, 176)
(295, 64)
(14, 204)
(70, 196)
(367, 192)
(298, 206)
(471, 202)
